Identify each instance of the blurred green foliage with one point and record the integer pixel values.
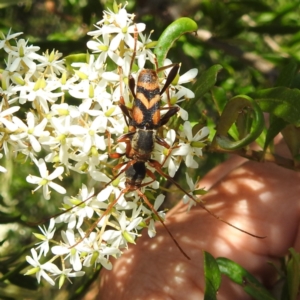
(255, 43)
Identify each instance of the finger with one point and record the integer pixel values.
(259, 197)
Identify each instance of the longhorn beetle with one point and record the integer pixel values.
(101, 223)
(143, 120)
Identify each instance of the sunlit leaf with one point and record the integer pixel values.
(229, 116)
(219, 97)
(282, 102)
(212, 277)
(170, 35)
(243, 278)
(206, 80)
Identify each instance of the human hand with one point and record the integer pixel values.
(261, 198)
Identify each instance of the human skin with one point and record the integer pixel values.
(261, 198)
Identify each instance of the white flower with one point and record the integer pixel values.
(80, 212)
(120, 25)
(171, 158)
(4, 40)
(7, 89)
(87, 162)
(181, 79)
(45, 237)
(69, 249)
(51, 63)
(85, 137)
(5, 113)
(39, 269)
(177, 92)
(124, 32)
(151, 227)
(40, 92)
(186, 199)
(32, 131)
(23, 54)
(64, 109)
(104, 50)
(112, 188)
(60, 137)
(88, 136)
(87, 70)
(143, 52)
(194, 143)
(63, 274)
(45, 180)
(119, 238)
(109, 117)
(97, 253)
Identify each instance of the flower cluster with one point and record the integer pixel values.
(81, 138)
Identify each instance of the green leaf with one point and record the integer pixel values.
(275, 29)
(293, 274)
(291, 135)
(243, 123)
(243, 278)
(287, 75)
(231, 112)
(5, 3)
(276, 126)
(170, 35)
(27, 282)
(219, 97)
(80, 57)
(9, 218)
(212, 277)
(206, 81)
(282, 102)
(285, 9)
(246, 5)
